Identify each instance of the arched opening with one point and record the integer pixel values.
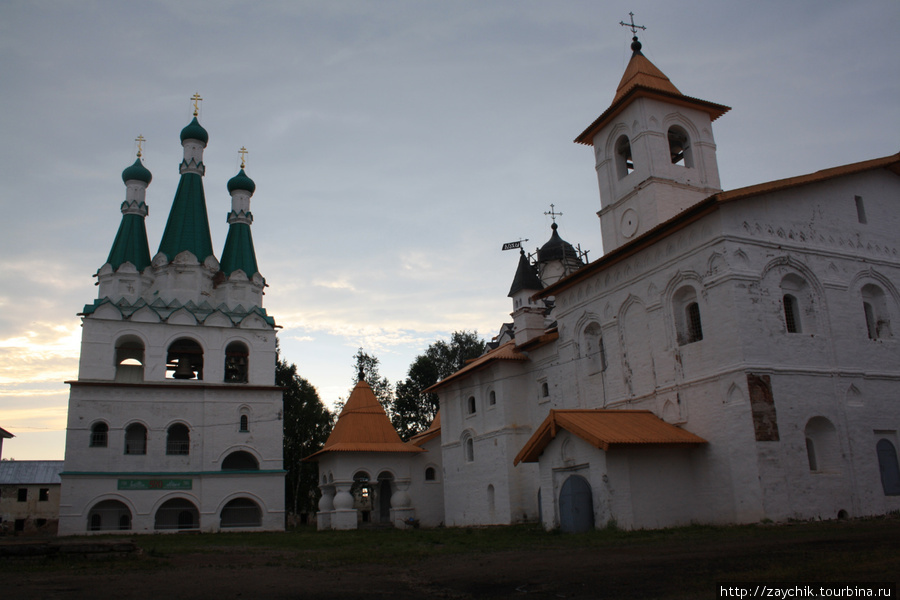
(688, 327)
(576, 505)
(240, 461)
(430, 474)
(888, 466)
(593, 348)
(385, 491)
(240, 512)
(470, 405)
(791, 314)
(245, 423)
(878, 322)
(492, 398)
(236, 362)
(624, 162)
(135, 439)
(177, 514)
(822, 450)
(178, 439)
(129, 359)
(363, 495)
(490, 501)
(545, 389)
(109, 515)
(99, 435)
(680, 147)
(184, 360)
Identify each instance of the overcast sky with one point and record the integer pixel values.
(395, 147)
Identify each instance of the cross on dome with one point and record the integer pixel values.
(243, 152)
(552, 213)
(140, 139)
(631, 25)
(196, 99)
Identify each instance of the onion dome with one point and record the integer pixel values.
(194, 131)
(526, 277)
(557, 248)
(241, 182)
(138, 172)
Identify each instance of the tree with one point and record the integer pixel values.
(368, 366)
(307, 423)
(414, 410)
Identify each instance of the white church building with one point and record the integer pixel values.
(174, 422)
(734, 356)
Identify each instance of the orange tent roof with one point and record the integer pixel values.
(432, 432)
(643, 79)
(507, 351)
(604, 428)
(363, 426)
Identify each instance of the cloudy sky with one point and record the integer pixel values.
(395, 146)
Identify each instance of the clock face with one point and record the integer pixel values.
(629, 223)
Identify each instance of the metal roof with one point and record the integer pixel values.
(25, 472)
(603, 428)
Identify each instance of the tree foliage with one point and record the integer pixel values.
(307, 423)
(368, 366)
(414, 410)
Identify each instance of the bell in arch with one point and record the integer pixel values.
(184, 369)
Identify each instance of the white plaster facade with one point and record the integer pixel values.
(761, 320)
(174, 421)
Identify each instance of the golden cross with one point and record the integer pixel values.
(140, 140)
(196, 98)
(243, 152)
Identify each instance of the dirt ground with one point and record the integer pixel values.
(663, 570)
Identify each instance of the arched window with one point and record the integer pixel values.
(240, 512)
(109, 515)
(240, 461)
(791, 314)
(177, 513)
(470, 405)
(492, 398)
(178, 439)
(822, 451)
(545, 389)
(680, 147)
(99, 435)
(135, 439)
(129, 360)
(688, 327)
(236, 362)
(887, 464)
(878, 322)
(860, 209)
(430, 474)
(594, 350)
(184, 360)
(469, 448)
(624, 162)
(245, 423)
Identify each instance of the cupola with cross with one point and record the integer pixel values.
(654, 151)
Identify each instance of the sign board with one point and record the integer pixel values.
(155, 484)
(512, 245)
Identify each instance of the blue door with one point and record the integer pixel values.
(576, 505)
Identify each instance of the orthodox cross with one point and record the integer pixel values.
(553, 214)
(243, 152)
(631, 25)
(196, 98)
(140, 140)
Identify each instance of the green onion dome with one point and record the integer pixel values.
(194, 131)
(137, 171)
(241, 182)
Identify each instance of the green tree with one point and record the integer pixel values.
(307, 423)
(368, 366)
(414, 410)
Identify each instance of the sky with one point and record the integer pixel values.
(395, 145)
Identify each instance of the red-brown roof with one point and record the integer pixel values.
(363, 426)
(606, 428)
(707, 206)
(429, 434)
(507, 351)
(643, 79)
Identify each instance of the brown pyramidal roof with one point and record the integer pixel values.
(432, 432)
(363, 426)
(643, 79)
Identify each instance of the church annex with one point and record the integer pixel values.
(732, 357)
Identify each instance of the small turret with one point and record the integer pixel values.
(528, 315)
(243, 284)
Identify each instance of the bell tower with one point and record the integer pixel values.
(654, 151)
